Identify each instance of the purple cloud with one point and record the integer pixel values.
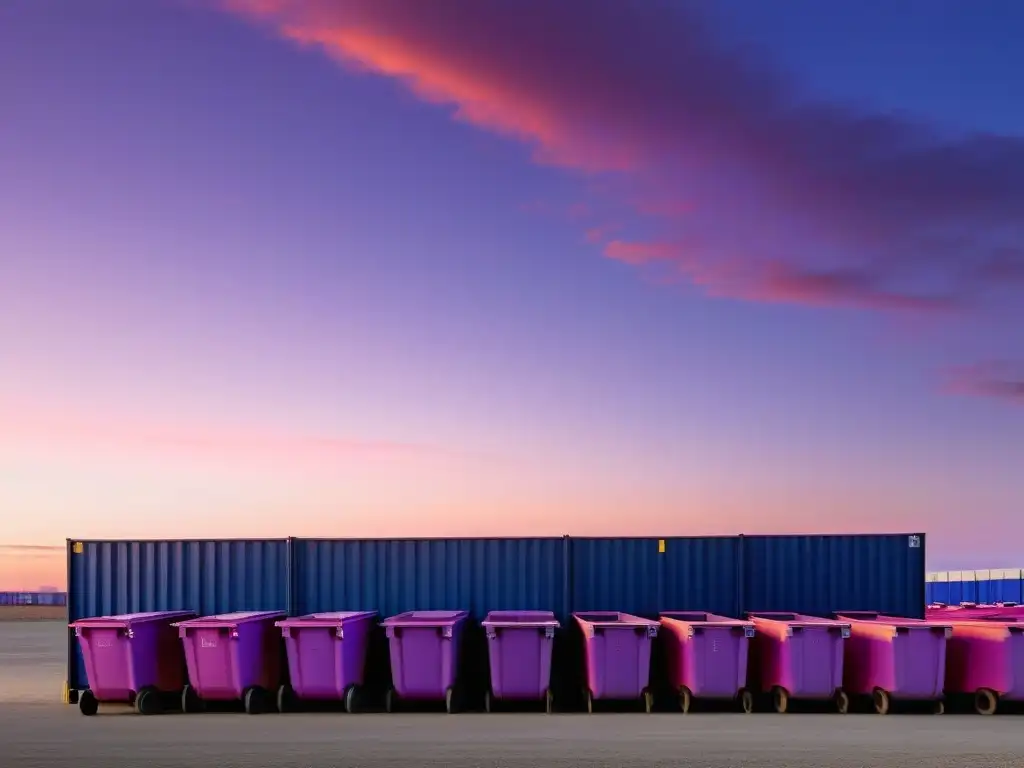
(797, 202)
(1001, 380)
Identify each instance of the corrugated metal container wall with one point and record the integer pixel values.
(821, 574)
(646, 576)
(111, 577)
(396, 575)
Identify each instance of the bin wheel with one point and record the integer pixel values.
(147, 701)
(389, 700)
(842, 702)
(685, 699)
(549, 701)
(352, 699)
(880, 698)
(939, 708)
(285, 699)
(190, 700)
(648, 701)
(451, 704)
(747, 701)
(255, 700)
(588, 697)
(985, 701)
(487, 701)
(87, 703)
(780, 699)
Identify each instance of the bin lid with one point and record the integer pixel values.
(228, 620)
(520, 619)
(702, 617)
(871, 617)
(796, 619)
(328, 619)
(425, 618)
(611, 618)
(127, 619)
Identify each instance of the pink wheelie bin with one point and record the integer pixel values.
(232, 657)
(617, 653)
(707, 657)
(798, 657)
(985, 660)
(425, 651)
(326, 657)
(889, 658)
(519, 647)
(131, 658)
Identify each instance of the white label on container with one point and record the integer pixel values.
(207, 642)
(914, 542)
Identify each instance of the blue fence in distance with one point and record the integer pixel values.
(989, 585)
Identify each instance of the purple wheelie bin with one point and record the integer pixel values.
(519, 645)
(707, 656)
(425, 649)
(326, 657)
(985, 660)
(889, 658)
(617, 654)
(798, 657)
(131, 658)
(232, 657)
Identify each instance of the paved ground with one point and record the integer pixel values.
(35, 730)
(58, 736)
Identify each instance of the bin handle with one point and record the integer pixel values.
(492, 633)
(446, 630)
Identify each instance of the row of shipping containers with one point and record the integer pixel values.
(33, 598)
(643, 576)
(989, 585)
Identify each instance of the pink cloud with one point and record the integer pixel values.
(1000, 380)
(848, 207)
(121, 435)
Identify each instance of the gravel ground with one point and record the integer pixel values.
(57, 736)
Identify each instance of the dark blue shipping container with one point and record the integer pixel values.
(649, 575)
(111, 577)
(725, 575)
(396, 575)
(818, 575)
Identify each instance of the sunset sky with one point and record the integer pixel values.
(510, 267)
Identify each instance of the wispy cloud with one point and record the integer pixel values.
(999, 380)
(796, 202)
(56, 429)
